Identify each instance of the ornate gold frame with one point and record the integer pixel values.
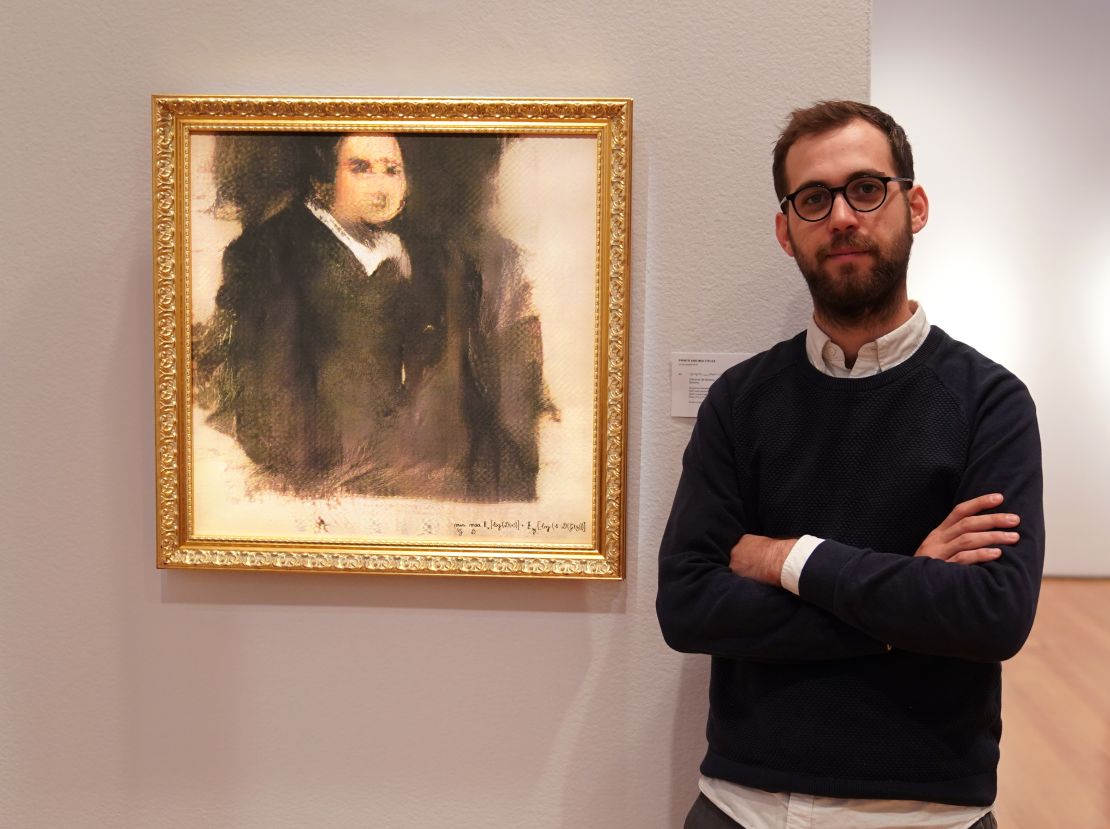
(174, 118)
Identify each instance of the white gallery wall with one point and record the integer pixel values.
(131, 697)
(1005, 104)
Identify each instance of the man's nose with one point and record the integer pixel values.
(842, 216)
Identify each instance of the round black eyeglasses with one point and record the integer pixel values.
(814, 202)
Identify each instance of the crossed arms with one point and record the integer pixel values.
(969, 592)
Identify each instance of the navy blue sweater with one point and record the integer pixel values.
(882, 679)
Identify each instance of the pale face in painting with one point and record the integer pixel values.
(370, 183)
(854, 262)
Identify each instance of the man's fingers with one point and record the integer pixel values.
(968, 542)
(973, 541)
(975, 556)
(971, 507)
(981, 523)
(969, 528)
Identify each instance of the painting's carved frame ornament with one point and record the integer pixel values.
(174, 117)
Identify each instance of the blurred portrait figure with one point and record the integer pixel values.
(372, 334)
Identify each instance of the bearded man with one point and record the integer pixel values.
(857, 537)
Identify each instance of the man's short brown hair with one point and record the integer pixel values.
(829, 115)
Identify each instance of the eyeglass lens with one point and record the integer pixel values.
(864, 194)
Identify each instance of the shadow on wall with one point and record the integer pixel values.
(363, 590)
(688, 740)
(799, 307)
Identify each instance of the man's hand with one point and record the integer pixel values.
(760, 558)
(968, 535)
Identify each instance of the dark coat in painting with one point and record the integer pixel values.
(422, 384)
(315, 354)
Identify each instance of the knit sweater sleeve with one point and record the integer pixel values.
(980, 612)
(703, 607)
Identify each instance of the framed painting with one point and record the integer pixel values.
(390, 334)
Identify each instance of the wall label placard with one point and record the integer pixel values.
(692, 373)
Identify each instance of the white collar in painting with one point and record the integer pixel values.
(384, 246)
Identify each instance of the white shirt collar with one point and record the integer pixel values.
(876, 356)
(384, 245)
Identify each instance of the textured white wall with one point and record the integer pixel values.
(136, 698)
(1004, 102)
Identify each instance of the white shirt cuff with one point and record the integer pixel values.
(799, 554)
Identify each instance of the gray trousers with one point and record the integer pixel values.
(704, 814)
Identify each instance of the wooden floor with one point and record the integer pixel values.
(1055, 769)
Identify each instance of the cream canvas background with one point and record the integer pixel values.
(545, 201)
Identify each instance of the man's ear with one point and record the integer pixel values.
(782, 233)
(919, 208)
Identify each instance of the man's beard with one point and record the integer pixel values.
(857, 293)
